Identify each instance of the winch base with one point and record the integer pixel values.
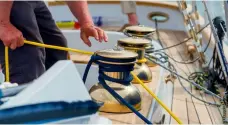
(110, 105)
(143, 72)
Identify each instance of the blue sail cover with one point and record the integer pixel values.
(47, 112)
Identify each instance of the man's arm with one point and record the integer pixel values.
(5, 9)
(9, 34)
(81, 12)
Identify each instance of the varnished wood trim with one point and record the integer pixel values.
(140, 3)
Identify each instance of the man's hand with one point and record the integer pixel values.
(10, 35)
(93, 31)
(81, 12)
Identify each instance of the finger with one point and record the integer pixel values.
(105, 37)
(20, 41)
(100, 34)
(95, 34)
(6, 43)
(85, 39)
(13, 45)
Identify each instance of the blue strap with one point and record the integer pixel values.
(47, 112)
(110, 67)
(127, 68)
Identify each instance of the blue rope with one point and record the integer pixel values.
(127, 68)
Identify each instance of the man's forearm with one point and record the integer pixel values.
(81, 12)
(5, 9)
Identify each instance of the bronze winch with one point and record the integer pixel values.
(138, 45)
(142, 32)
(128, 92)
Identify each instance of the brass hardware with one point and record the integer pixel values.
(139, 31)
(170, 78)
(128, 92)
(142, 31)
(138, 45)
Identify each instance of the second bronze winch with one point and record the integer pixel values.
(138, 45)
(142, 32)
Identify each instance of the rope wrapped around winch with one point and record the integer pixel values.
(104, 67)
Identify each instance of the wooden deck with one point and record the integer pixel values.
(187, 108)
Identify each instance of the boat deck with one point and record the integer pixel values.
(187, 108)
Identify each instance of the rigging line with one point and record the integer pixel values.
(182, 62)
(190, 72)
(178, 76)
(180, 56)
(191, 87)
(191, 93)
(181, 42)
(190, 62)
(157, 32)
(161, 41)
(158, 35)
(174, 72)
(168, 50)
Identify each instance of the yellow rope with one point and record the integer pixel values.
(142, 60)
(157, 99)
(90, 53)
(57, 47)
(7, 64)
